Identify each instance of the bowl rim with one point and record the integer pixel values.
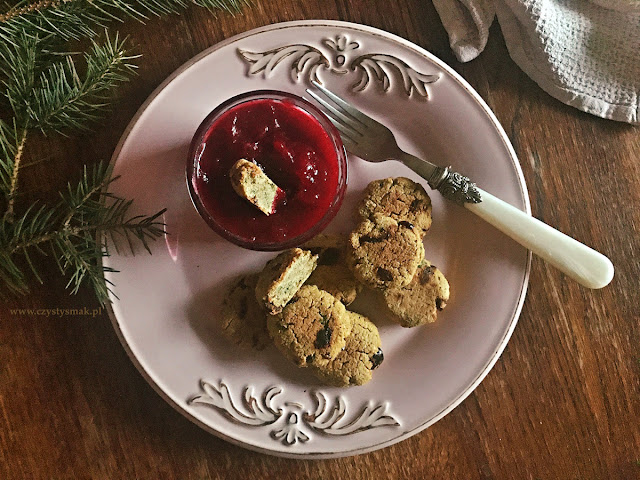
(323, 122)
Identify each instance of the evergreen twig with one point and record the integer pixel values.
(13, 180)
(73, 19)
(44, 90)
(41, 89)
(75, 232)
(9, 143)
(62, 100)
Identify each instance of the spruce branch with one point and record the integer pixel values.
(18, 63)
(41, 89)
(13, 180)
(62, 100)
(14, 236)
(45, 91)
(76, 233)
(73, 19)
(9, 144)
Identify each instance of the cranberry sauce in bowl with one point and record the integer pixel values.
(295, 145)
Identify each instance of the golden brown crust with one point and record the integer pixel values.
(399, 198)
(244, 322)
(419, 302)
(312, 329)
(332, 273)
(384, 253)
(362, 354)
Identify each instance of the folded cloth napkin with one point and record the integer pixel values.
(585, 53)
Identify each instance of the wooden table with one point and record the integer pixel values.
(563, 402)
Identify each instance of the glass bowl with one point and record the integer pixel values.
(296, 146)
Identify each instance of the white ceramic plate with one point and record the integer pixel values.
(168, 302)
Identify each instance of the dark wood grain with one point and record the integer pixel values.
(563, 402)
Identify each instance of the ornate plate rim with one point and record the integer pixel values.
(521, 184)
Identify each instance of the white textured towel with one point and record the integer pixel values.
(585, 53)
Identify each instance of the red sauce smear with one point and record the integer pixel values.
(292, 149)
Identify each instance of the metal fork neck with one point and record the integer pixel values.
(450, 184)
(438, 176)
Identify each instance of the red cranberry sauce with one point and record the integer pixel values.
(293, 150)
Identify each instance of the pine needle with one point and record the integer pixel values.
(76, 232)
(74, 19)
(41, 86)
(62, 100)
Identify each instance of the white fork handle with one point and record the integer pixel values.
(583, 264)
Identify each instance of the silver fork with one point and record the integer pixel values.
(372, 141)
